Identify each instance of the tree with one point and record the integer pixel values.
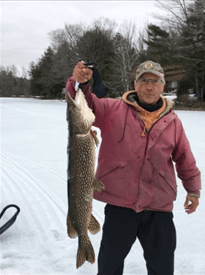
(114, 53)
(160, 44)
(64, 45)
(6, 81)
(44, 81)
(187, 20)
(35, 74)
(126, 56)
(11, 84)
(96, 46)
(193, 33)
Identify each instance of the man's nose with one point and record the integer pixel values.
(149, 86)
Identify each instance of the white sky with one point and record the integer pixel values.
(25, 24)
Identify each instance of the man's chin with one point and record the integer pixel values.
(149, 101)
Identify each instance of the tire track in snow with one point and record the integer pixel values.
(34, 113)
(96, 212)
(27, 213)
(22, 172)
(38, 184)
(40, 229)
(42, 203)
(34, 163)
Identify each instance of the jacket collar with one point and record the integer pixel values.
(129, 98)
(149, 118)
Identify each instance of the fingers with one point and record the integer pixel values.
(81, 73)
(191, 204)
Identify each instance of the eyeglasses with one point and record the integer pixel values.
(154, 81)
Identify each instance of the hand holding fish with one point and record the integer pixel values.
(81, 73)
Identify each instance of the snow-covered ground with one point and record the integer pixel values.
(33, 176)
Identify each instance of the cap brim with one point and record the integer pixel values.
(149, 71)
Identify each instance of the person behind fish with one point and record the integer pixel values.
(141, 138)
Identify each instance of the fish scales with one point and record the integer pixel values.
(81, 176)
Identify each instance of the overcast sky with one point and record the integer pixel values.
(25, 24)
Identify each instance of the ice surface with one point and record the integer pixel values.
(33, 176)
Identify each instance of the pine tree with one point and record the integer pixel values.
(186, 19)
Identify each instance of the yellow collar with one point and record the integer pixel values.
(149, 118)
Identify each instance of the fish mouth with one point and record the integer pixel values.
(81, 110)
(72, 102)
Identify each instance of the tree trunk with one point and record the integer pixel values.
(197, 83)
(203, 86)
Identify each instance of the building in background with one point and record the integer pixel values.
(173, 75)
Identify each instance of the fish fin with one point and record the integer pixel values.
(97, 185)
(94, 226)
(72, 233)
(96, 140)
(94, 135)
(85, 252)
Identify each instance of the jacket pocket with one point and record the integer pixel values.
(109, 169)
(112, 173)
(171, 182)
(165, 189)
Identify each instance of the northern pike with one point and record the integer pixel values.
(81, 176)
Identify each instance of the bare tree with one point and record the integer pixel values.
(126, 54)
(187, 19)
(64, 43)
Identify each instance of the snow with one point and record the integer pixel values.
(33, 176)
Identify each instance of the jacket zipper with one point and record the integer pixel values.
(147, 135)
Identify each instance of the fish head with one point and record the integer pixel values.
(79, 114)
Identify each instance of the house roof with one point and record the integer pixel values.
(172, 73)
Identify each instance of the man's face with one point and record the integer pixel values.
(149, 92)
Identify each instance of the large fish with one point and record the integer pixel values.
(81, 176)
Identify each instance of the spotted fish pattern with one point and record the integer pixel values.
(81, 176)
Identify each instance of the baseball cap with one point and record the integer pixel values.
(149, 67)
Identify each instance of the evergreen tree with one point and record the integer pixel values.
(161, 45)
(193, 43)
(11, 84)
(44, 81)
(186, 19)
(36, 88)
(96, 46)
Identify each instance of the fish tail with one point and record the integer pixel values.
(85, 252)
(94, 226)
(72, 233)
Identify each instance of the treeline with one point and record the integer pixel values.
(114, 51)
(11, 84)
(181, 40)
(117, 50)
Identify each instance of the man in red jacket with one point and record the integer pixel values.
(141, 138)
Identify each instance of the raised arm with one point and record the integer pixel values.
(83, 74)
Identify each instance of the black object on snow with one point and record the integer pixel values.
(11, 220)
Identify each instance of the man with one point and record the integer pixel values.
(141, 137)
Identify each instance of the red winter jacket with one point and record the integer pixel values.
(137, 171)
